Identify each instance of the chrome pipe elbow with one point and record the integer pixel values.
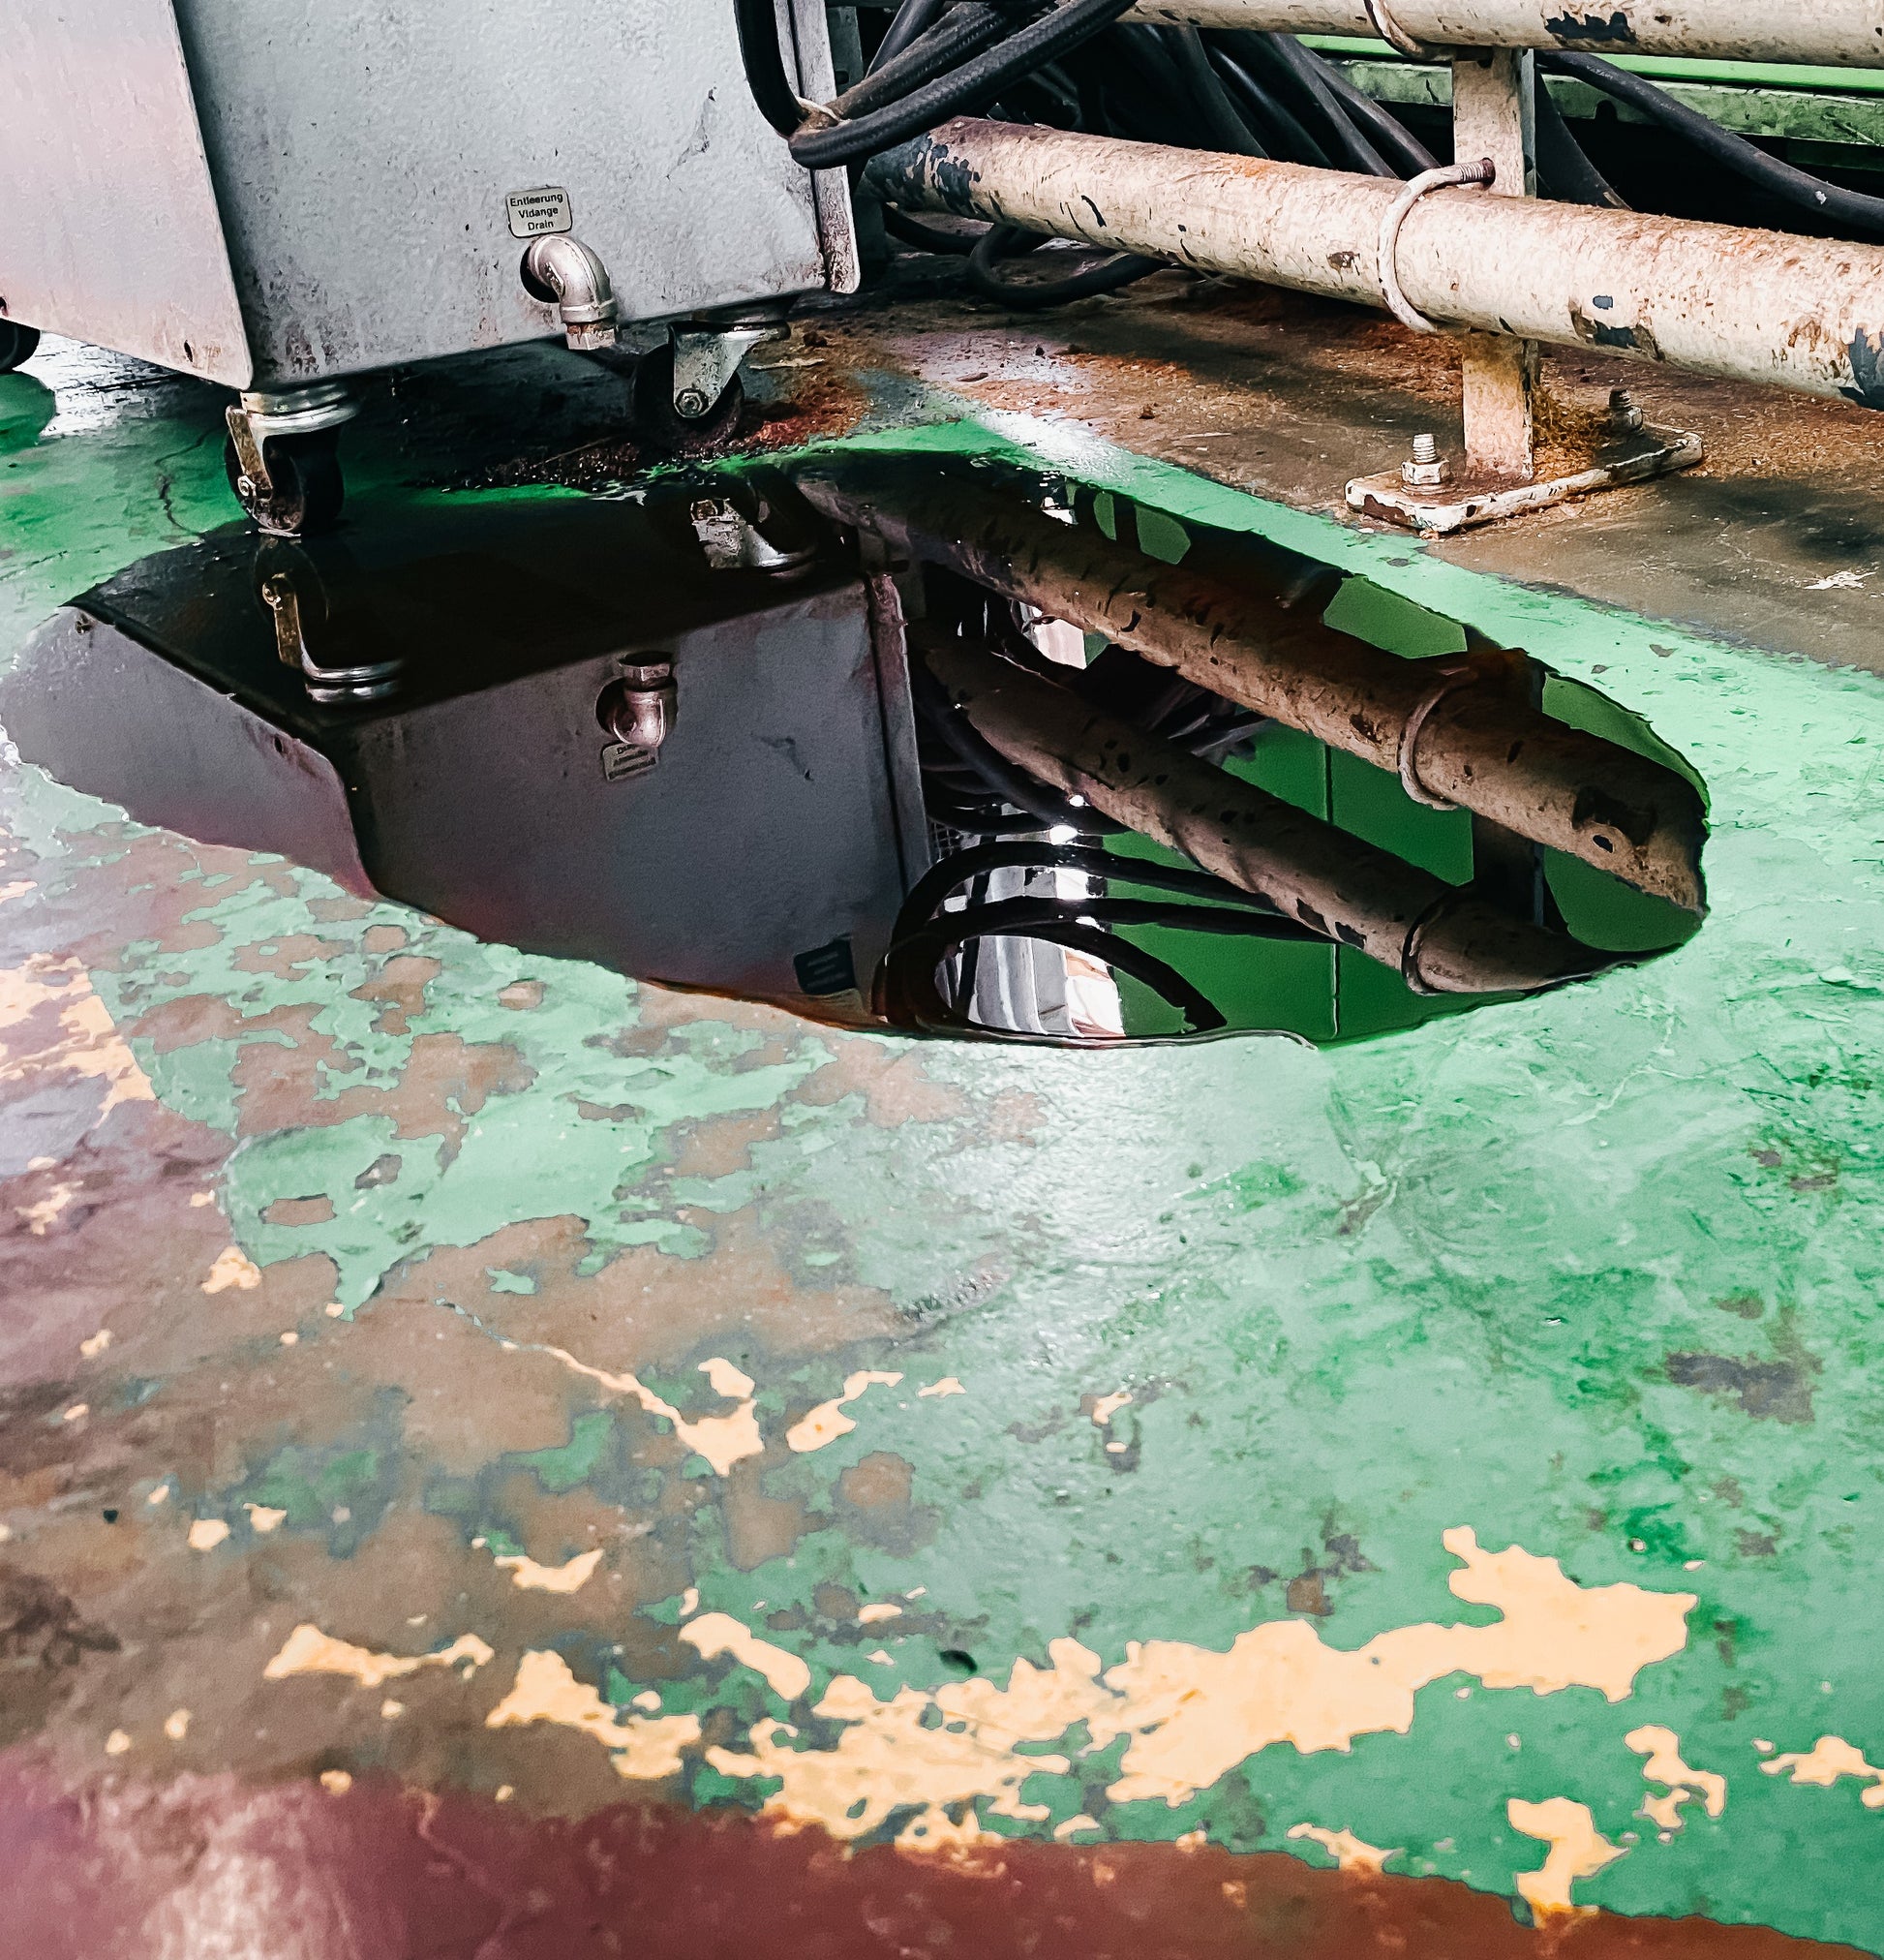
(568, 274)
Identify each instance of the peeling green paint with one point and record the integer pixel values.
(1358, 1297)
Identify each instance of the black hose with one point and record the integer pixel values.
(1732, 152)
(1225, 127)
(926, 237)
(1004, 824)
(1361, 107)
(976, 81)
(1003, 241)
(1288, 135)
(1146, 87)
(910, 968)
(911, 20)
(1288, 58)
(765, 65)
(1012, 784)
(1090, 860)
(962, 31)
(968, 970)
(1572, 177)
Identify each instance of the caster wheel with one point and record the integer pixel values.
(660, 424)
(16, 344)
(309, 489)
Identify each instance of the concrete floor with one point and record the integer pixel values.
(497, 1459)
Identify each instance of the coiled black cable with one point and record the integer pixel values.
(1237, 92)
(1226, 128)
(1091, 860)
(1563, 166)
(765, 65)
(1308, 75)
(1286, 135)
(963, 31)
(1389, 135)
(913, 999)
(912, 19)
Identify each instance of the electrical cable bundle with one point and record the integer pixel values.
(974, 789)
(975, 792)
(1851, 208)
(1077, 65)
(927, 934)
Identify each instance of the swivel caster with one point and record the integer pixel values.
(690, 422)
(322, 629)
(687, 395)
(16, 344)
(282, 458)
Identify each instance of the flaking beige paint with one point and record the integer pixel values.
(641, 1747)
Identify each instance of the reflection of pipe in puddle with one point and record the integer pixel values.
(1014, 739)
(923, 747)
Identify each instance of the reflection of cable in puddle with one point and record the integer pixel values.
(926, 933)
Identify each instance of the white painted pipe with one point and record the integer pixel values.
(1805, 313)
(1825, 33)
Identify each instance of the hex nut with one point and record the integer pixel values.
(1426, 475)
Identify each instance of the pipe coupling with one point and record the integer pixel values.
(565, 273)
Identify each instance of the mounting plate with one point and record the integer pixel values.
(1474, 500)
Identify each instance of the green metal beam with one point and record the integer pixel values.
(1789, 114)
(1667, 68)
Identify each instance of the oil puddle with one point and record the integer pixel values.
(934, 745)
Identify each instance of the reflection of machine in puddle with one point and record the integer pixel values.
(937, 748)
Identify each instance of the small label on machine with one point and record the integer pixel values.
(622, 759)
(538, 213)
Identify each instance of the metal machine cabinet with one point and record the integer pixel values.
(277, 198)
(577, 727)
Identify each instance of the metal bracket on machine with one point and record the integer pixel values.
(1424, 496)
(261, 416)
(707, 358)
(292, 587)
(1493, 94)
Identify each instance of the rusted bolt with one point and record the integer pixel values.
(1625, 417)
(691, 404)
(1428, 468)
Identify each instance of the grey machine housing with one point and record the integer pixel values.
(277, 198)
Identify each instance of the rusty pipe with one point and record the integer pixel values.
(1440, 938)
(1466, 740)
(1832, 33)
(1805, 313)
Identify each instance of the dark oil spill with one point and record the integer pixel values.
(898, 744)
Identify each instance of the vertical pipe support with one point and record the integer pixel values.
(1495, 116)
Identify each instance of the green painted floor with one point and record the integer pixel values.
(428, 1369)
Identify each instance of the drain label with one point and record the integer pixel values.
(538, 213)
(622, 760)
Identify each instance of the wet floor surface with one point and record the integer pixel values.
(479, 712)
(502, 1456)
